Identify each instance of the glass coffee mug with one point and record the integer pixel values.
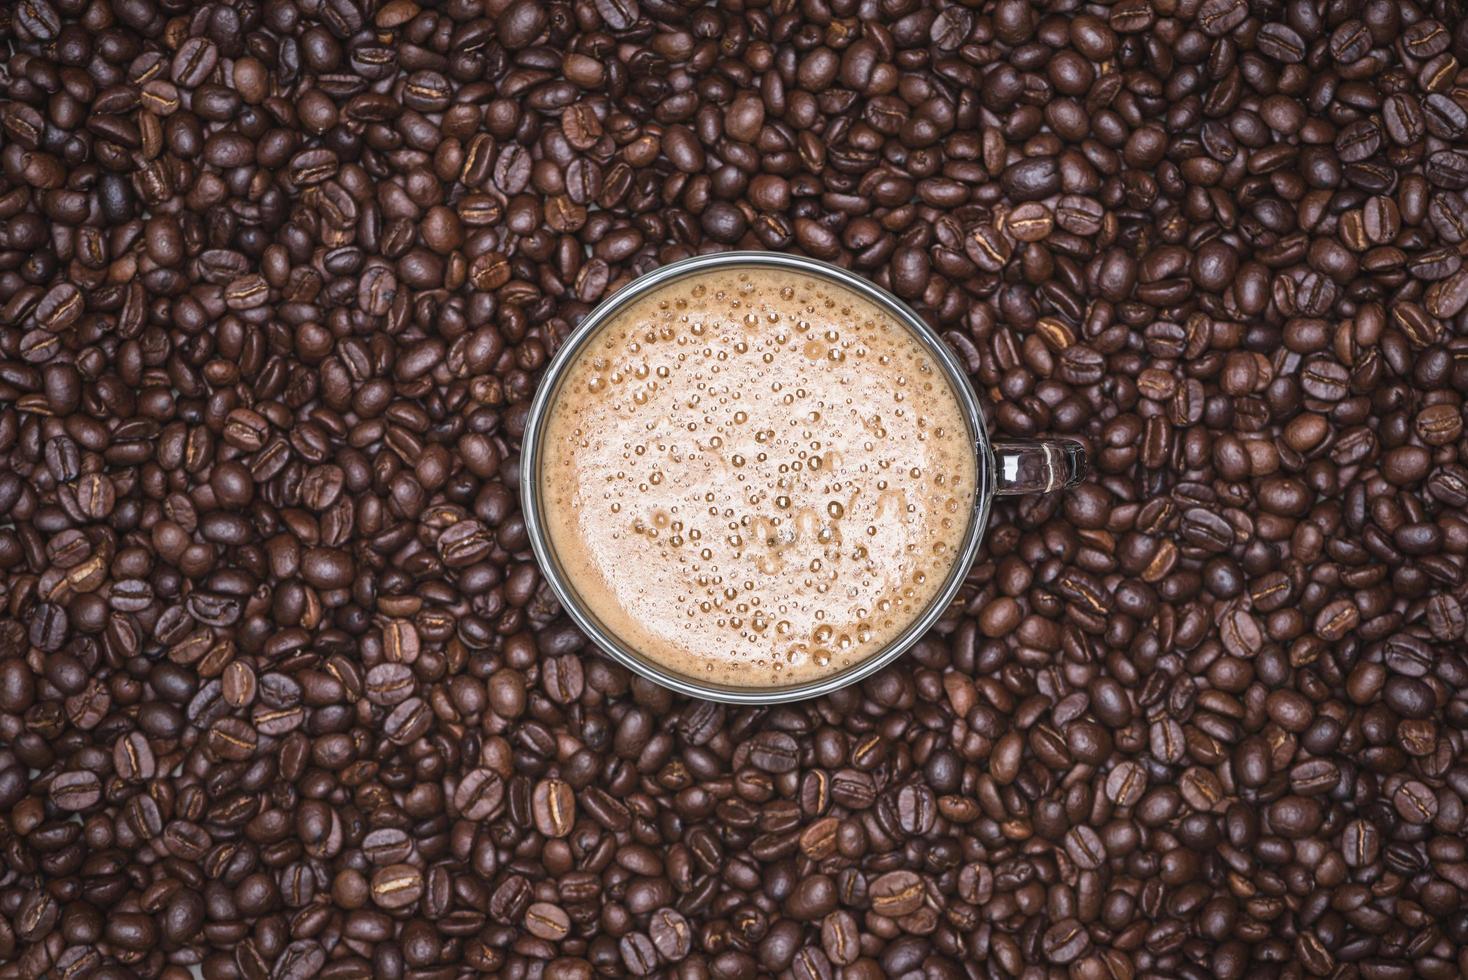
(643, 318)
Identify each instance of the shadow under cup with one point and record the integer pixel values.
(533, 458)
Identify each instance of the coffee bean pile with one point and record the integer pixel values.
(282, 693)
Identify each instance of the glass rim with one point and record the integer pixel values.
(626, 654)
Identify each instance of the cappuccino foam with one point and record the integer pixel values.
(754, 477)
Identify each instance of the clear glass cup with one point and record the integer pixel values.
(1004, 468)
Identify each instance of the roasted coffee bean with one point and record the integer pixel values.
(1415, 802)
(39, 19)
(639, 955)
(670, 934)
(73, 791)
(897, 893)
(407, 721)
(397, 886)
(1032, 179)
(617, 15)
(238, 684)
(774, 752)
(389, 683)
(133, 757)
(388, 845)
(1126, 783)
(546, 921)
(1085, 848)
(1065, 941)
(554, 807)
(840, 938)
(479, 794)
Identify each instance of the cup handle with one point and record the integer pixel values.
(1037, 467)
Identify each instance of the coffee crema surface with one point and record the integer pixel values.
(756, 477)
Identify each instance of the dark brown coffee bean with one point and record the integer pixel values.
(547, 921)
(464, 543)
(397, 886)
(1126, 783)
(897, 893)
(39, 19)
(1065, 941)
(639, 955)
(232, 739)
(1337, 619)
(1085, 848)
(1448, 169)
(988, 248)
(407, 721)
(840, 938)
(852, 789)
(389, 683)
(1446, 618)
(246, 430)
(48, 627)
(60, 308)
(1031, 180)
(1361, 844)
(78, 790)
(479, 794)
(618, 15)
(774, 752)
(387, 846)
(671, 935)
(1448, 297)
(1280, 43)
(554, 807)
(1415, 802)
(376, 290)
(133, 757)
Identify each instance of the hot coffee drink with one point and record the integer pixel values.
(755, 477)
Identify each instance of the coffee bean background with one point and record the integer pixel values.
(282, 693)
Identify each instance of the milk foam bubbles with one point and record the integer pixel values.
(755, 478)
